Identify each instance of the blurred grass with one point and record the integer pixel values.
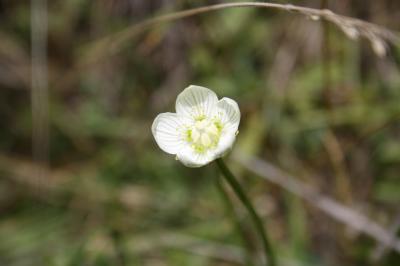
(113, 194)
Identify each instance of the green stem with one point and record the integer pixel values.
(230, 178)
(238, 225)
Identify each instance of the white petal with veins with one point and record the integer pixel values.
(196, 101)
(229, 113)
(167, 130)
(191, 158)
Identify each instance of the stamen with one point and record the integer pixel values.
(204, 134)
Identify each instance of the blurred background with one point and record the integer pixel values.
(82, 181)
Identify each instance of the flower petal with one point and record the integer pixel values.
(225, 144)
(190, 158)
(229, 114)
(196, 101)
(168, 131)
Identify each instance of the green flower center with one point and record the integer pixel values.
(204, 134)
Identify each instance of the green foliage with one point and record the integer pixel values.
(114, 198)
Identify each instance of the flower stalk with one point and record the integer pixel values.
(238, 225)
(230, 178)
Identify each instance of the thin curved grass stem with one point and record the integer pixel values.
(237, 188)
(112, 43)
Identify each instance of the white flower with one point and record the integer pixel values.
(202, 129)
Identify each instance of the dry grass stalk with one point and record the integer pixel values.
(352, 27)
